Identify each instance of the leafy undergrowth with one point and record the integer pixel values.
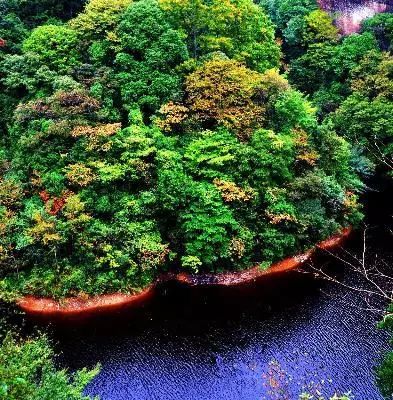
(28, 372)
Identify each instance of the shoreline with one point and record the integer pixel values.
(78, 307)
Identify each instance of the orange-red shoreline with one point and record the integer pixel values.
(106, 304)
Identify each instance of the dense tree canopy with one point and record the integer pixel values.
(150, 52)
(34, 12)
(98, 19)
(55, 46)
(147, 136)
(237, 28)
(385, 369)
(381, 25)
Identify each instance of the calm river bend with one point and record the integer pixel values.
(186, 350)
(216, 344)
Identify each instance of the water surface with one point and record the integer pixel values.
(218, 344)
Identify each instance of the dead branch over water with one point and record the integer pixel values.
(372, 277)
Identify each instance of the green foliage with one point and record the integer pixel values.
(319, 28)
(349, 80)
(99, 19)
(238, 28)
(352, 49)
(381, 26)
(158, 135)
(320, 62)
(142, 137)
(365, 116)
(28, 372)
(300, 23)
(324, 70)
(385, 375)
(25, 74)
(326, 62)
(55, 46)
(81, 177)
(282, 12)
(208, 225)
(12, 31)
(223, 92)
(35, 12)
(314, 68)
(150, 53)
(385, 369)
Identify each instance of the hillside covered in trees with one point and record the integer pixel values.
(153, 136)
(141, 137)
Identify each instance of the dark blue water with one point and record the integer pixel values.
(204, 345)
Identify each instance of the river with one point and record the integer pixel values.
(191, 346)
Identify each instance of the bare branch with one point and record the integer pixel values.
(373, 279)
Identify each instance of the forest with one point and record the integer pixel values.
(149, 137)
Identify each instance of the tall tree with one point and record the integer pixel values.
(238, 28)
(149, 53)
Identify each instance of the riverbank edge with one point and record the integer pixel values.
(109, 303)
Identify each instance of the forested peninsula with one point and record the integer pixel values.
(152, 137)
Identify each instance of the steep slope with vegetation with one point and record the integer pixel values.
(349, 80)
(141, 137)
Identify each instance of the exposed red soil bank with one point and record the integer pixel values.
(255, 273)
(80, 307)
(106, 304)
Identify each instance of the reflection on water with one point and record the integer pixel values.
(351, 13)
